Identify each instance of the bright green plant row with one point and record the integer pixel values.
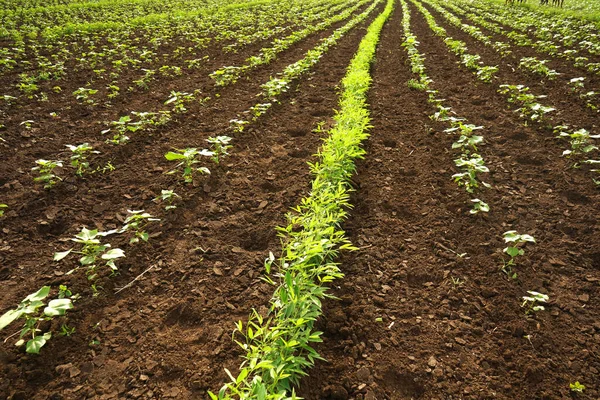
(230, 74)
(279, 346)
(470, 162)
(278, 85)
(106, 62)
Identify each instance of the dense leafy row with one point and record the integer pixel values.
(279, 346)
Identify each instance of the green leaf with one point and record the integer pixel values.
(171, 156)
(87, 260)
(58, 307)
(512, 251)
(8, 317)
(62, 254)
(34, 345)
(229, 374)
(39, 295)
(112, 254)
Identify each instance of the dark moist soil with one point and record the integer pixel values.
(570, 109)
(414, 319)
(168, 335)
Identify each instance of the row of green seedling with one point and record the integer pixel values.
(279, 346)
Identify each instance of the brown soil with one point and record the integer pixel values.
(414, 320)
(168, 335)
(405, 327)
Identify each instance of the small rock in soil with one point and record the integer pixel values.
(432, 362)
(363, 374)
(336, 393)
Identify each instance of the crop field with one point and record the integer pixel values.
(285, 199)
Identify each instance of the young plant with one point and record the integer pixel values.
(580, 142)
(92, 252)
(178, 99)
(473, 166)
(539, 67)
(79, 157)
(576, 387)
(29, 310)
(84, 95)
(124, 125)
(516, 240)
(531, 302)
(479, 206)
(137, 221)
(46, 171)
(220, 145)
(188, 160)
(168, 196)
(238, 125)
(2, 208)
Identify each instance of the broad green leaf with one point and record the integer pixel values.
(174, 156)
(58, 307)
(527, 238)
(62, 254)
(34, 345)
(87, 260)
(512, 251)
(39, 295)
(8, 317)
(112, 254)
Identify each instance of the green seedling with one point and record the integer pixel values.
(79, 157)
(531, 302)
(92, 251)
(479, 206)
(473, 166)
(577, 84)
(538, 67)
(168, 196)
(274, 87)
(3, 207)
(137, 221)
(83, 95)
(29, 310)
(457, 282)
(220, 145)
(514, 250)
(576, 387)
(178, 99)
(238, 125)
(66, 330)
(46, 171)
(124, 125)
(27, 124)
(580, 143)
(188, 160)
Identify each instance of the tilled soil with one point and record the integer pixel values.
(168, 334)
(424, 310)
(416, 317)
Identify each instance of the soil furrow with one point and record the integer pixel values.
(207, 259)
(416, 320)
